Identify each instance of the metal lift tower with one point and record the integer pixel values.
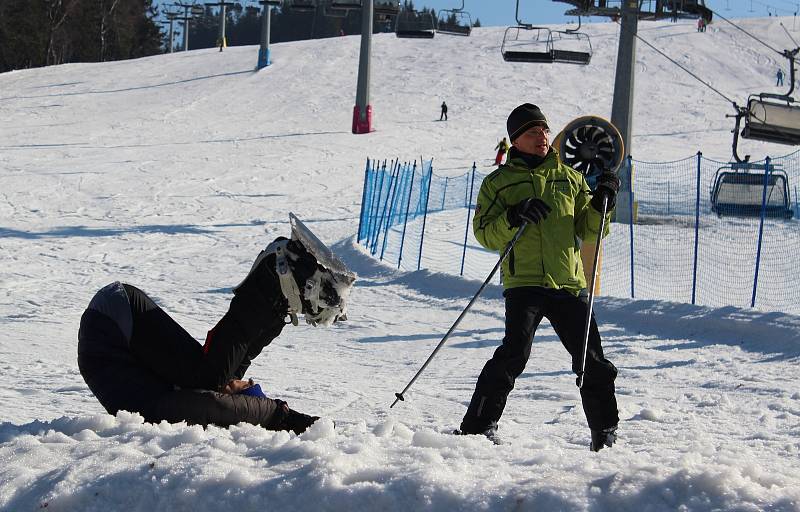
(362, 112)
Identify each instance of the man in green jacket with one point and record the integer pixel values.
(543, 274)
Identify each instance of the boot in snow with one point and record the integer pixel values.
(490, 433)
(289, 419)
(602, 438)
(297, 422)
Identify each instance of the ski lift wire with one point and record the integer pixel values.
(789, 35)
(746, 32)
(640, 38)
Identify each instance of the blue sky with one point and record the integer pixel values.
(502, 12)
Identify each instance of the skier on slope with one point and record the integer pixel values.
(502, 149)
(134, 357)
(542, 275)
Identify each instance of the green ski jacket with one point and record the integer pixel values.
(548, 253)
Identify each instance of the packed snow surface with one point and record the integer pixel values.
(171, 173)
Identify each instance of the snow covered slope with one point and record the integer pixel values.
(171, 172)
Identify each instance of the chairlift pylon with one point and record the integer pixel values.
(415, 24)
(455, 22)
(544, 45)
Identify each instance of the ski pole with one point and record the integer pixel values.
(579, 380)
(463, 313)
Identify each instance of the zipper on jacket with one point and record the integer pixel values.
(511, 270)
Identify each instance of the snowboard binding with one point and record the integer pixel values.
(316, 283)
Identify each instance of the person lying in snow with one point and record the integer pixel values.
(135, 357)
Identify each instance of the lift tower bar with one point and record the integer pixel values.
(362, 112)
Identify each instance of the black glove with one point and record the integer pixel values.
(531, 210)
(607, 185)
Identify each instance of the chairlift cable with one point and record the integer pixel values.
(746, 32)
(789, 35)
(640, 38)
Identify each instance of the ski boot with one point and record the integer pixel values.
(602, 438)
(490, 433)
(289, 419)
(298, 422)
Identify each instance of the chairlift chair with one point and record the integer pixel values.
(341, 8)
(386, 7)
(738, 190)
(346, 4)
(330, 12)
(300, 5)
(535, 48)
(454, 22)
(674, 9)
(697, 8)
(772, 118)
(647, 9)
(415, 24)
(543, 45)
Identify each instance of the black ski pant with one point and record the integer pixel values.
(141, 360)
(525, 308)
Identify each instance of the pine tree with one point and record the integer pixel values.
(37, 33)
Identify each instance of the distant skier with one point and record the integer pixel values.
(501, 148)
(779, 76)
(701, 24)
(135, 357)
(443, 115)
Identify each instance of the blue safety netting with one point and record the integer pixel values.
(703, 232)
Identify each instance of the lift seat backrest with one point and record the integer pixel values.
(415, 34)
(346, 4)
(390, 8)
(571, 57)
(515, 56)
(450, 28)
(738, 193)
(769, 121)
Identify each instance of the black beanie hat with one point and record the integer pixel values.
(522, 118)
